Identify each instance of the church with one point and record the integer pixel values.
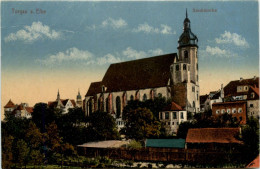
(173, 76)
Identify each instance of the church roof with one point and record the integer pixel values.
(139, 74)
(95, 87)
(10, 104)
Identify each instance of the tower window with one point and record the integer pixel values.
(197, 66)
(177, 67)
(186, 54)
(193, 89)
(184, 67)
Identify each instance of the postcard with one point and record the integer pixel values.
(130, 84)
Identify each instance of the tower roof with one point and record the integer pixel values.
(10, 104)
(187, 38)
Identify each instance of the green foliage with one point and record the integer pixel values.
(102, 126)
(7, 155)
(140, 124)
(33, 136)
(36, 157)
(134, 144)
(21, 152)
(53, 139)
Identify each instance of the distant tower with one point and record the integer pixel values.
(79, 100)
(185, 68)
(58, 95)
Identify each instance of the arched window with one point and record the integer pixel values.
(124, 99)
(193, 104)
(186, 54)
(184, 67)
(131, 97)
(118, 106)
(107, 105)
(137, 95)
(144, 97)
(177, 68)
(101, 103)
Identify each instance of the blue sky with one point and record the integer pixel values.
(84, 38)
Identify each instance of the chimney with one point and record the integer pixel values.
(241, 79)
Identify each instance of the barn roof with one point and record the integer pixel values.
(165, 143)
(213, 135)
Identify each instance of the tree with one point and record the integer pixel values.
(53, 139)
(250, 137)
(7, 155)
(21, 152)
(36, 157)
(102, 126)
(183, 129)
(140, 124)
(33, 136)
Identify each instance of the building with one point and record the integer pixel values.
(79, 102)
(237, 109)
(245, 90)
(63, 104)
(21, 111)
(172, 116)
(173, 76)
(204, 102)
(213, 138)
(9, 107)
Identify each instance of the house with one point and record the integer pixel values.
(204, 102)
(165, 143)
(172, 116)
(9, 107)
(213, 138)
(173, 76)
(238, 110)
(63, 104)
(246, 90)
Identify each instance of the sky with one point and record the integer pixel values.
(46, 46)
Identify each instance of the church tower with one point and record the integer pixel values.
(58, 96)
(79, 100)
(185, 68)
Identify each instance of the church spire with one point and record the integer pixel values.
(186, 13)
(58, 95)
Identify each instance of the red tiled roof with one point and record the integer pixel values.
(231, 88)
(255, 89)
(254, 163)
(52, 104)
(29, 109)
(20, 107)
(10, 104)
(173, 106)
(213, 135)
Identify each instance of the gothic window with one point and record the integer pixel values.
(118, 106)
(166, 115)
(107, 105)
(110, 103)
(137, 95)
(184, 67)
(90, 107)
(197, 95)
(144, 97)
(186, 54)
(124, 99)
(152, 94)
(174, 115)
(197, 66)
(131, 97)
(193, 104)
(177, 67)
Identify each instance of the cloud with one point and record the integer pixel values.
(217, 52)
(109, 58)
(72, 54)
(114, 23)
(32, 33)
(134, 54)
(232, 38)
(146, 28)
